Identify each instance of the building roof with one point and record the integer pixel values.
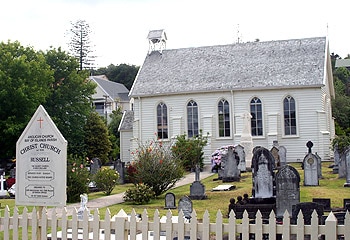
(127, 120)
(113, 89)
(342, 63)
(274, 64)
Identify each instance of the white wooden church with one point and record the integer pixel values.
(286, 86)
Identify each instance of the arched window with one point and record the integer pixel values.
(289, 113)
(192, 119)
(162, 121)
(224, 118)
(256, 120)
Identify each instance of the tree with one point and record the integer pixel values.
(96, 138)
(123, 73)
(80, 44)
(25, 83)
(114, 134)
(70, 103)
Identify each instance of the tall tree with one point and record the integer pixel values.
(122, 73)
(70, 103)
(25, 82)
(114, 134)
(96, 138)
(80, 44)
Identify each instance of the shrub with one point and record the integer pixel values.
(78, 178)
(156, 167)
(190, 150)
(139, 194)
(106, 179)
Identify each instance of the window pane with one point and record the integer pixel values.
(289, 116)
(256, 120)
(224, 118)
(162, 121)
(192, 119)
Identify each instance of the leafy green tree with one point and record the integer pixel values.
(122, 73)
(70, 103)
(114, 134)
(80, 44)
(25, 83)
(96, 138)
(190, 150)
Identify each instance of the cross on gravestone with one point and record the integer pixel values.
(287, 189)
(170, 201)
(3, 191)
(309, 145)
(186, 206)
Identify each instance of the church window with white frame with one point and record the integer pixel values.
(162, 121)
(192, 119)
(257, 117)
(289, 113)
(224, 118)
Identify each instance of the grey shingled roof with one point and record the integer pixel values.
(127, 120)
(274, 64)
(113, 89)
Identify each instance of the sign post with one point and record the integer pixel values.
(41, 163)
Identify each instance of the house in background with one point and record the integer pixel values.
(342, 63)
(286, 87)
(109, 96)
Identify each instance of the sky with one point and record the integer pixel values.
(120, 27)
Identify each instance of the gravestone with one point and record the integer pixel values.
(170, 201)
(83, 207)
(263, 176)
(185, 204)
(231, 171)
(3, 191)
(197, 189)
(325, 202)
(310, 163)
(287, 189)
(95, 165)
(239, 149)
(342, 166)
(319, 164)
(274, 151)
(346, 202)
(336, 159)
(246, 138)
(347, 167)
(307, 208)
(119, 166)
(282, 152)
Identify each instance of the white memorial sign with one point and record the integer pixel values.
(41, 167)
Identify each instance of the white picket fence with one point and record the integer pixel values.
(50, 225)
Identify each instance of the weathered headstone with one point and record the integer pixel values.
(95, 165)
(319, 165)
(336, 159)
(347, 167)
(170, 201)
(325, 202)
(246, 138)
(287, 189)
(186, 206)
(197, 189)
(239, 149)
(119, 166)
(282, 152)
(274, 151)
(231, 171)
(310, 167)
(263, 175)
(342, 166)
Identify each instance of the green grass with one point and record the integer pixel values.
(329, 187)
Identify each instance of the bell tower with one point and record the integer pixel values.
(157, 40)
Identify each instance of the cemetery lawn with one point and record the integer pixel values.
(329, 187)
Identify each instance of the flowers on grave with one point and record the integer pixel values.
(217, 158)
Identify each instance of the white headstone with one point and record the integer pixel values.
(246, 138)
(41, 167)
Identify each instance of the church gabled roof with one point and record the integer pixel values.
(273, 64)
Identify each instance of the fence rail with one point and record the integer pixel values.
(47, 224)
